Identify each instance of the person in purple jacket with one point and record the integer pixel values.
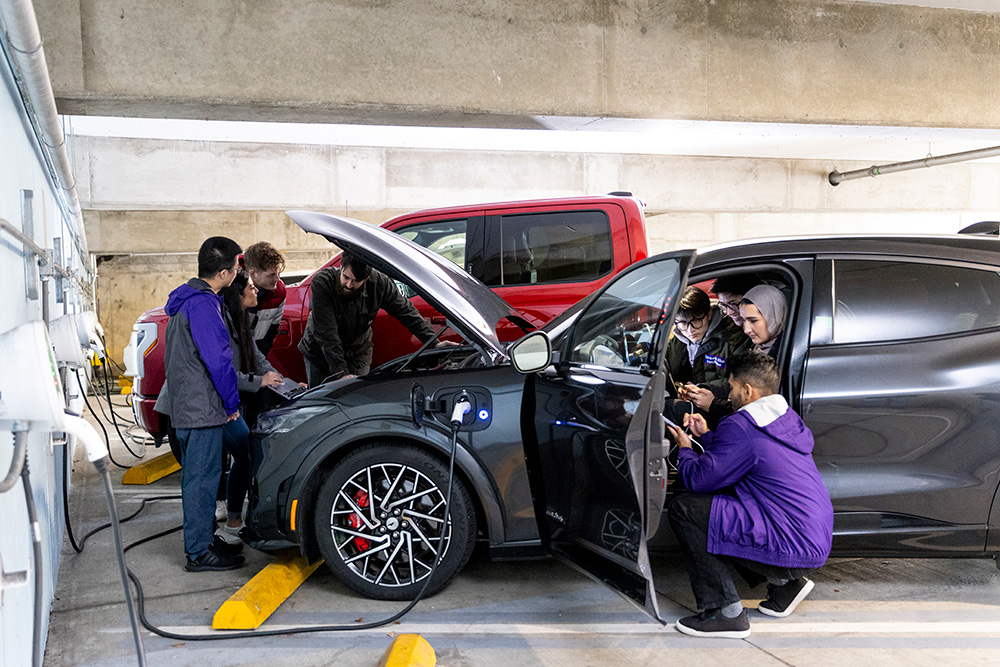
(757, 504)
(200, 395)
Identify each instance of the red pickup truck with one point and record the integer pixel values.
(541, 256)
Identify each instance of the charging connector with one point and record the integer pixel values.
(462, 408)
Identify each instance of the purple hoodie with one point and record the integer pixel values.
(201, 384)
(770, 504)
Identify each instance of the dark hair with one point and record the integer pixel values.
(359, 268)
(740, 283)
(238, 322)
(216, 254)
(695, 302)
(263, 256)
(760, 371)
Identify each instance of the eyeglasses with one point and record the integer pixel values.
(693, 323)
(730, 308)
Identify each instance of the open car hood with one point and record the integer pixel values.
(472, 308)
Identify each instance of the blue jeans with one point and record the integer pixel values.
(236, 440)
(201, 466)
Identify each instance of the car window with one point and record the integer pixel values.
(618, 326)
(446, 238)
(886, 300)
(553, 247)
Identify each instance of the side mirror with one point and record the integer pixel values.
(531, 353)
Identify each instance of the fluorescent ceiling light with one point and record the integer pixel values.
(578, 135)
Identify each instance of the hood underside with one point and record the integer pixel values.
(472, 308)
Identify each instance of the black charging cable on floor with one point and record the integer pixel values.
(461, 408)
(140, 597)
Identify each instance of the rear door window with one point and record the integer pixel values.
(891, 300)
(566, 246)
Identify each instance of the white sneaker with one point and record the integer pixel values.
(221, 512)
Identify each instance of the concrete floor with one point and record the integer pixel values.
(886, 612)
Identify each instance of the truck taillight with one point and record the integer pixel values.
(141, 342)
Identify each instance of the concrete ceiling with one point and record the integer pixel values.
(469, 63)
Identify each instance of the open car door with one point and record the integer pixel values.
(594, 434)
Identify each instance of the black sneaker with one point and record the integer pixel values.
(712, 623)
(225, 548)
(213, 561)
(782, 600)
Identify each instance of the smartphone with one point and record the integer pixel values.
(694, 443)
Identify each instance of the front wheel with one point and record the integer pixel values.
(378, 522)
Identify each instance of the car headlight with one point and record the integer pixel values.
(282, 421)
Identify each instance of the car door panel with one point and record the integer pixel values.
(596, 455)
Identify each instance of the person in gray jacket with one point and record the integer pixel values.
(200, 395)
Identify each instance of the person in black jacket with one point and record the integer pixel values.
(704, 339)
(345, 300)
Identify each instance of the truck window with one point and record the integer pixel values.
(553, 247)
(446, 238)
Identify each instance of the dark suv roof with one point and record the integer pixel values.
(979, 249)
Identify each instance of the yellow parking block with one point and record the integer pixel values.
(149, 471)
(408, 651)
(261, 596)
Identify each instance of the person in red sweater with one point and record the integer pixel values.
(264, 264)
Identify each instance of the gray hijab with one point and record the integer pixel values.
(773, 307)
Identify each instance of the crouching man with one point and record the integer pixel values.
(757, 504)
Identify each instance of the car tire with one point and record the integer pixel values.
(385, 551)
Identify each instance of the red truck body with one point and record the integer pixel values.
(541, 256)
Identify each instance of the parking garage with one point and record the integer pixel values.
(133, 133)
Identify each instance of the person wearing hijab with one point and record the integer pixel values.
(764, 311)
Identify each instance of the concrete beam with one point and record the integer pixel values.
(473, 63)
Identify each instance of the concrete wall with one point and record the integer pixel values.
(470, 62)
(147, 199)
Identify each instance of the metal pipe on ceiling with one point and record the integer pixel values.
(25, 43)
(836, 177)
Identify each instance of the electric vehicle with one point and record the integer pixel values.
(888, 354)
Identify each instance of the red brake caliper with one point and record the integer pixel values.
(361, 498)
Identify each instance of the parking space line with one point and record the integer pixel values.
(989, 628)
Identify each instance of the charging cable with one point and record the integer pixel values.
(97, 453)
(462, 407)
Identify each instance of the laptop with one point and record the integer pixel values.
(288, 389)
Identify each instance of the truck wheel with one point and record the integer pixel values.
(378, 520)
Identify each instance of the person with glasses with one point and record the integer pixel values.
(704, 339)
(729, 290)
(201, 397)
